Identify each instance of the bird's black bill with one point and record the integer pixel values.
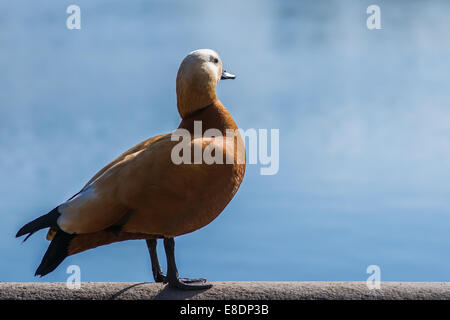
(227, 75)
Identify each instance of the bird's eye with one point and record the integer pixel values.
(216, 60)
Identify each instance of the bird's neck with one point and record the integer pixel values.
(194, 94)
(213, 116)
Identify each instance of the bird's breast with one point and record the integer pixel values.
(190, 195)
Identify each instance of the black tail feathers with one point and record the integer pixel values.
(45, 221)
(57, 251)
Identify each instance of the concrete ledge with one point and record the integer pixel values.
(226, 291)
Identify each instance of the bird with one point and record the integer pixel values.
(144, 194)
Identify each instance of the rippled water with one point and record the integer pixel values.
(364, 120)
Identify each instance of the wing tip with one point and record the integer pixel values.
(45, 221)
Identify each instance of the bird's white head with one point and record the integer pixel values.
(197, 80)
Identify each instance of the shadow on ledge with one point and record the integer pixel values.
(165, 293)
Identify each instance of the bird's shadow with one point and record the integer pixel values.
(166, 293)
(118, 293)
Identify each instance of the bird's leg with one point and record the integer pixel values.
(172, 273)
(158, 275)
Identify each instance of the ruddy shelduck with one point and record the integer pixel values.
(144, 194)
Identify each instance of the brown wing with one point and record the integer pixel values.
(136, 148)
(94, 208)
